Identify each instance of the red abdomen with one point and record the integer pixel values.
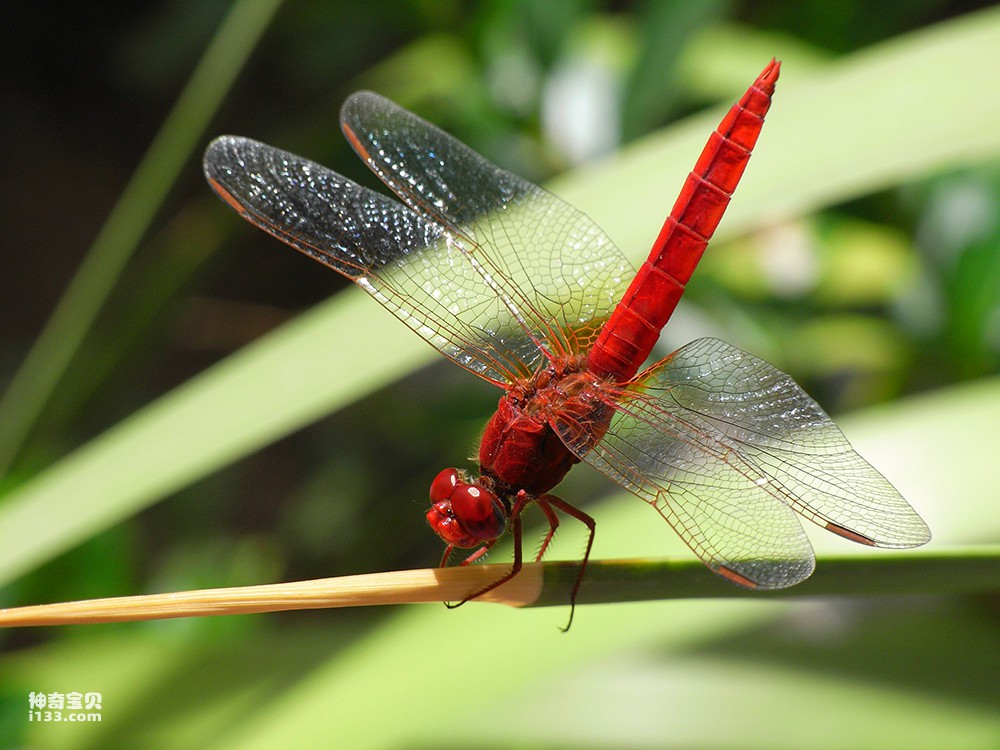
(634, 326)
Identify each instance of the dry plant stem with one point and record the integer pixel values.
(397, 587)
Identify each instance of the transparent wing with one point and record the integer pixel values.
(755, 409)
(551, 268)
(725, 447)
(711, 496)
(410, 264)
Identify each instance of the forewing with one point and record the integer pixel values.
(554, 270)
(410, 264)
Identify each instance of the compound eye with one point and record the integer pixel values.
(445, 525)
(443, 485)
(478, 511)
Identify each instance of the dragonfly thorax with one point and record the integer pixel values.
(520, 448)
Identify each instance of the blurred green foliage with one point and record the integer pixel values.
(894, 293)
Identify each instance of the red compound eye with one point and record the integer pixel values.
(479, 511)
(443, 485)
(462, 514)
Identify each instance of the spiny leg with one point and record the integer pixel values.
(446, 556)
(587, 521)
(481, 552)
(546, 503)
(515, 530)
(450, 550)
(553, 520)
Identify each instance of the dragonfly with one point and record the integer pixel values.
(525, 291)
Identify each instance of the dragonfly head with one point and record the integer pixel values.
(465, 514)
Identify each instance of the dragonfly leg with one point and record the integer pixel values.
(446, 556)
(478, 553)
(553, 520)
(515, 530)
(586, 520)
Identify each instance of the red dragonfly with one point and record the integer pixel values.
(525, 291)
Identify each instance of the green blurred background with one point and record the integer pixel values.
(878, 290)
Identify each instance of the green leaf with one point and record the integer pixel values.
(130, 219)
